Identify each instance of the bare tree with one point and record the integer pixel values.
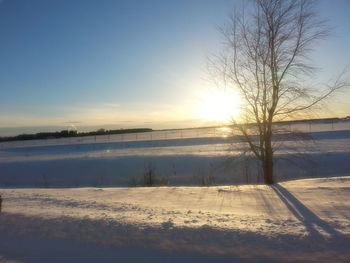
(265, 58)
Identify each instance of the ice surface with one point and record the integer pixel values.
(183, 161)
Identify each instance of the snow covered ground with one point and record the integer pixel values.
(305, 220)
(297, 221)
(179, 156)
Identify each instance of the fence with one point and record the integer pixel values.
(306, 126)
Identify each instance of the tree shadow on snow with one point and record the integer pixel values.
(313, 224)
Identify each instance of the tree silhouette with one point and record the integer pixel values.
(265, 58)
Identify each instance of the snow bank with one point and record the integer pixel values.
(297, 221)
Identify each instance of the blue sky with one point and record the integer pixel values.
(123, 63)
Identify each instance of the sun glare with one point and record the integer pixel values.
(219, 105)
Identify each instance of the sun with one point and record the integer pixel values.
(219, 105)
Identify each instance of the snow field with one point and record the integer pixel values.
(182, 162)
(304, 220)
(298, 221)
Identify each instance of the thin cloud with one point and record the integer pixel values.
(71, 122)
(113, 105)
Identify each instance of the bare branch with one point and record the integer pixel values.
(265, 59)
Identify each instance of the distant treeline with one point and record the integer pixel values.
(70, 133)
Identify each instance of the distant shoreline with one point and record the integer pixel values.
(69, 133)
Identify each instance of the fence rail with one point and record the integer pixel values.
(310, 126)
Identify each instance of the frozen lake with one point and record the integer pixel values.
(184, 157)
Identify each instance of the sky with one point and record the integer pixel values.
(87, 64)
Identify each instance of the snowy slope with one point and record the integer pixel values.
(297, 221)
(183, 161)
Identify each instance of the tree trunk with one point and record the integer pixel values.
(268, 169)
(267, 162)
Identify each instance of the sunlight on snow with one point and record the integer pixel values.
(224, 131)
